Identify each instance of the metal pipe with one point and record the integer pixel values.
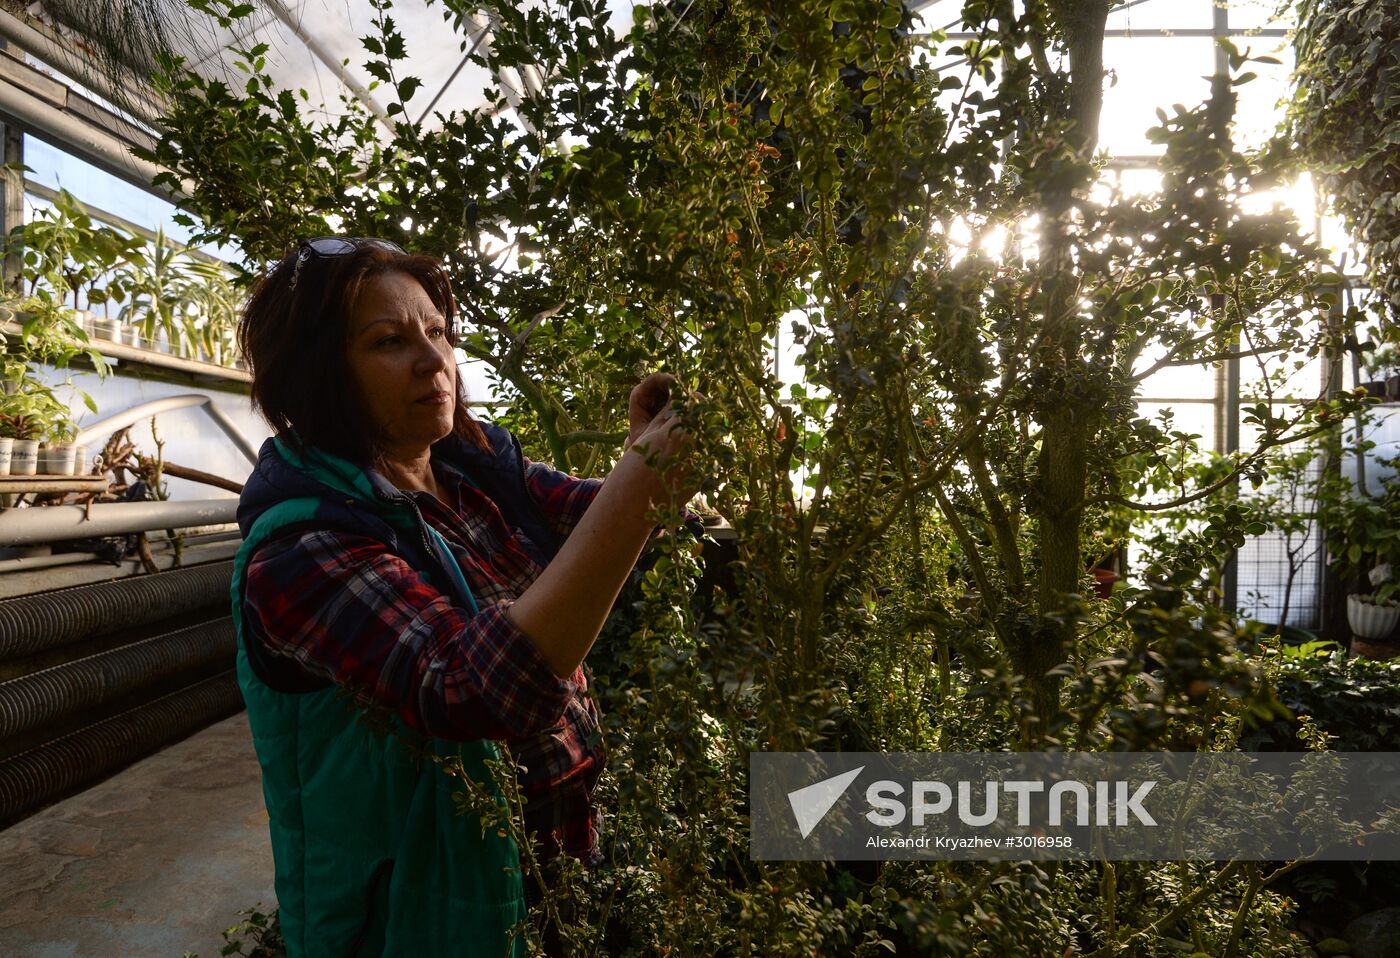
(50, 620)
(60, 56)
(103, 428)
(32, 526)
(230, 430)
(31, 779)
(128, 417)
(35, 563)
(31, 701)
(87, 140)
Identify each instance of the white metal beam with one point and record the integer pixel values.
(330, 62)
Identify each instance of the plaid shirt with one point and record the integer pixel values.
(347, 609)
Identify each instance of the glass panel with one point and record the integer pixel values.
(1279, 577)
(1161, 14)
(1180, 382)
(1253, 14)
(1257, 110)
(1195, 418)
(58, 169)
(1147, 73)
(1139, 182)
(937, 14)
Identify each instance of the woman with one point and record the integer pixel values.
(398, 549)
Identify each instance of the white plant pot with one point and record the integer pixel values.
(1369, 621)
(80, 463)
(24, 457)
(131, 336)
(108, 329)
(58, 459)
(6, 450)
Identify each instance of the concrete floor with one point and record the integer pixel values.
(156, 861)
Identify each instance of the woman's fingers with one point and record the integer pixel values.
(650, 395)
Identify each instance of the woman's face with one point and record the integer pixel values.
(401, 361)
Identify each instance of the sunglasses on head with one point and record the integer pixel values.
(328, 246)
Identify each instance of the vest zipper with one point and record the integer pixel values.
(422, 531)
(520, 468)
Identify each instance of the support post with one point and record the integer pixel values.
(11, 196)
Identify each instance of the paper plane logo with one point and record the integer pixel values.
(810, 804)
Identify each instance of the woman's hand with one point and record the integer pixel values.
(655, 434)
(648, 398)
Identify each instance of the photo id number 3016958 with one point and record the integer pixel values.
(1039, 841)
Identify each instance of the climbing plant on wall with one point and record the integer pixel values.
(1344, 121)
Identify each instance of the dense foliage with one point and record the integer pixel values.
(1356, 702)
(918, 502)
(1345, 122)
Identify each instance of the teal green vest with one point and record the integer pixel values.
(372, 858)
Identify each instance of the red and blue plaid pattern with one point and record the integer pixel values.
(347, 609)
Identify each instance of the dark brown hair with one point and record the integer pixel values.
(294, 340)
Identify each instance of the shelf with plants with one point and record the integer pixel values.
(133, 295)
(36, 426)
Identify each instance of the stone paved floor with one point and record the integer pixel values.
(155, 861)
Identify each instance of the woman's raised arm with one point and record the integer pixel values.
(564, 609)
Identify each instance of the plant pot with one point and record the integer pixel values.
(80, 463)
(131, 336)
(1374, 650)
(24, 457)
(58, 459)
(6, 450)
(1103, 582)
(108, 329)
(1371, 621)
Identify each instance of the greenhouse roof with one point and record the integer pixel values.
(317, 45)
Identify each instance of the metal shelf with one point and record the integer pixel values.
(46, 483)
(125, 354)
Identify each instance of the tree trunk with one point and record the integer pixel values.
(1067, 419)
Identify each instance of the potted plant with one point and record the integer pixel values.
(1383, 366)
(154, 280)
(210, 309)
(59, 450)
(64, 253)
(27, 413)
(7, 432)
(1364, 536)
